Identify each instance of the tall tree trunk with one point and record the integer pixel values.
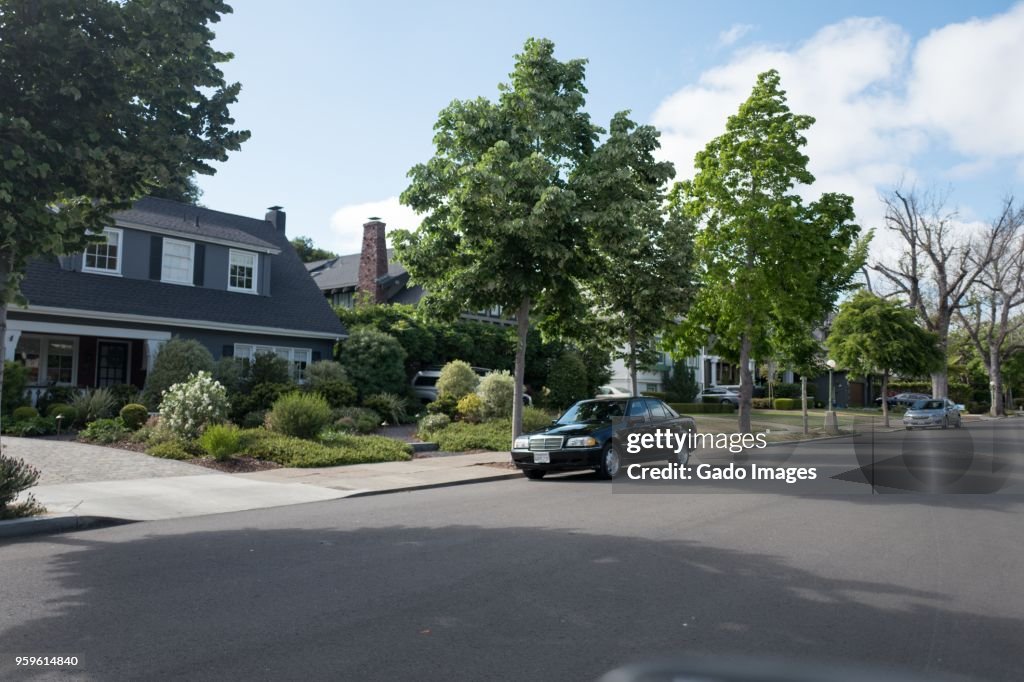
(995, 371)
(632, 362)
(885, 398)
(746, 384)
(6, 265)
(523, 330)
(803, 401)
(940, 378)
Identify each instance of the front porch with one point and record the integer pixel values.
(68, 355)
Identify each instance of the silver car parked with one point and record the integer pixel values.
(941, 412)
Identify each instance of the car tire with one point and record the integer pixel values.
(959, 421)
(534, 474)
(610, 464)
(727, 402)
(682, 458)
(910, 428)
(945, 422)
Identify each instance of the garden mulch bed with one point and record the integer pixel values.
(235, 465)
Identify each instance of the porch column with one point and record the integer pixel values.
(714, 371)
(11, 343)
(152, 348)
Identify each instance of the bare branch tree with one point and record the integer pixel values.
(991, 315)
(938, 266)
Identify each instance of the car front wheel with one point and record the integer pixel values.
(945, 423)
(610, 463)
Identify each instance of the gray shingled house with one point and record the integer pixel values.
(169, 269)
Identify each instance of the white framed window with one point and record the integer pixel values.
(105, 257)
(178, 261)
(242, 271)
(49, 360)
(297, 358)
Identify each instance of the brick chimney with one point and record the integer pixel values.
(373, 260)
(275, 216)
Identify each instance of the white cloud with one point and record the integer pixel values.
(733, 34)
(346, 231)
(879, 99)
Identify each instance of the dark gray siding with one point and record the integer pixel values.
(216, 341)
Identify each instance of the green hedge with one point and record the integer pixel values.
(785, 403)
(335, 449)
(703, 408)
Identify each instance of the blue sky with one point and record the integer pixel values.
(341, 97)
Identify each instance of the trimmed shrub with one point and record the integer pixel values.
(339, 449)
(445, 405)
(220, 441)
(457, 380)
(93, 404)
(785, 403)
(56, 395)
(268, 368)
(254, 419)
(104, 431)
(257, 398)
(303, 415)
(188, 407)
(67, 413)
(15, 477)
(703, 408)
(374, 362)
(169, 449)
(431, 424)
(460, 436)
(24, 413)
(761, 403)
(336, 393)
(356, 419)
(393, 408)
(231, 373)
(15, 380)
(471, 408)
(175, 362)
(324, 371)
(496, 392)
(134, 415)
(566, 382)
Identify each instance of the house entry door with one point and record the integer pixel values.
(111, 363)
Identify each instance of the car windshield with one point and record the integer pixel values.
(593, 412)
(927, 405)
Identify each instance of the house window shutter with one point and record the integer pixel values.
(198, 265)
(156, 256)
(227, 351)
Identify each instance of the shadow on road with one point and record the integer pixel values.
(457, 602)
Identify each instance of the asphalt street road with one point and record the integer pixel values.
(560, 579)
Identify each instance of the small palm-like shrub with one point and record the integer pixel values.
(189, 407)
(220, 441)
(97, 403)
(303, 415)
(392, 407)
(497, 391)
(457, 380)
(134, 415)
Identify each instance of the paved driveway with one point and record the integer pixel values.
(72, 462)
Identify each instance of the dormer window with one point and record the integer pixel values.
(105, 257)
(178, 261)
(242, 271)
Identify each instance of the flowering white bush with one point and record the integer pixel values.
(187, 408)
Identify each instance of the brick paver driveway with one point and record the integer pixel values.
(72, 462)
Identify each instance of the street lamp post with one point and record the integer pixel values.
(831, 421)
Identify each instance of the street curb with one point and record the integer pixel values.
(428, 486)
(56, 523)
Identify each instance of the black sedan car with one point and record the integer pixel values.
(582, 438)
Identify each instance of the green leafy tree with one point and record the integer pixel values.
(500, 225)
(101, 102)
(875, 335)
(642, 276)
(309, 252)
(567, 381)
(680, 383)
(766, 261)
(374, 362)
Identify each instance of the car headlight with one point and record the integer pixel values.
(521, 443)
(581, 442)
